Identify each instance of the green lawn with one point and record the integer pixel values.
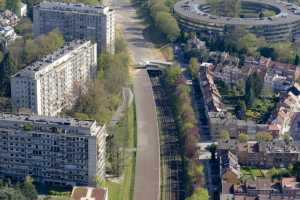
(253, 173)
(126, 134)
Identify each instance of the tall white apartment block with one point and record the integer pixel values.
(77, 21)
(59, 151)
(53, 83)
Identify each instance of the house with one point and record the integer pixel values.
(89, 193)
(229, 73)
(225, 121)
(229, 168)
(267, 154)
(23, 10)
(8, 35)
(285, 112)
(276, 153)
(212, 97)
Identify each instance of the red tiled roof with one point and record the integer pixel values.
(79, 193)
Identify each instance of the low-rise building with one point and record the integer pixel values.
(23, 10)
(267, 154)
(59, 151)
(89, 193)
(229, 168)
(285, 112)
(8, 35)
(211, 95)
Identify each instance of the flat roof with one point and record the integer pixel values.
(35, 119)
(74, 7)
(49, 59)
(190, 10)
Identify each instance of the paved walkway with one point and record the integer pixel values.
(127, 98)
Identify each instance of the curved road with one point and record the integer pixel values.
(147, 170)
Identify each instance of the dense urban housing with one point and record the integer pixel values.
(51, 84)
(60, 151)
(77, 21)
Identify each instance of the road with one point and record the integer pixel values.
(147, 170)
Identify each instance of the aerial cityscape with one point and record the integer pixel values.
(150, 100)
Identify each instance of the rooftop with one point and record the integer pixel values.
(47, 60)
(74, 7)
(190, 9)
(46, 120)
(89, 193)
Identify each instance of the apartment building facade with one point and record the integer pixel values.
(59, 151)
(77, 21)
(53, 83)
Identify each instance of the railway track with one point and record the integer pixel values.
(172, 187)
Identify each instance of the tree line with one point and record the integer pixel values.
(161, 16)
(179, 97)
(239, 42)
(104, 93)
(22, 191)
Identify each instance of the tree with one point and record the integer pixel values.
(9, 193)
(14, 6)
(268, 13)
(297, 59)
(228, 8)
(172, 75)
(253, 88)
(7, 68)
(167, 24)
(212, 149)
(249, 97)
(224, 135)
(2, 4)
(296, 170)
(243, 137)
(193, 67)
(251, 43)
(264, 137)
(28, 189)
(240, 110)
(268, 52)
(199, 194)
(283, 50)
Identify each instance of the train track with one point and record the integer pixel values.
(172, 187)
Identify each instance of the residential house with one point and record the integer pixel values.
(89, 193)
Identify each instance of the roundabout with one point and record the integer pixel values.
(282, 25)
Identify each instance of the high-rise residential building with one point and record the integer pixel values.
(60, 151)
(77, 21)
(53, 83)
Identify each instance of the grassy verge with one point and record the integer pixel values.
(122, 189)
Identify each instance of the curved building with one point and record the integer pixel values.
(195, 15)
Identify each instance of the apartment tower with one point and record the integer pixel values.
(77, 21)
(53, 83)
(59, 151)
